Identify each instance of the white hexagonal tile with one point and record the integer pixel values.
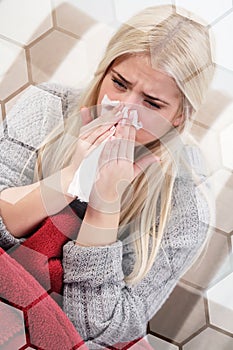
(209, 339)
(86, 13)
(46, 104)
(25, 20)
(13, 68)
(79, 65)
(223, 54)
(95, 34)
(157, 343)
(226, 139)
(213, 264)
(222, 82)
(217, 109)
(12, 330)
(124, 8)
(208, 10)
(209, 144)
(221, 304)
(59, 58)
(221, 191)
(94, 40)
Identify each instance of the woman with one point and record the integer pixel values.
(146, 220)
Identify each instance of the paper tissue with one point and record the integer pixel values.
(85, 175)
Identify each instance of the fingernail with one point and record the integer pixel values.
(133, 115)
(125, 112)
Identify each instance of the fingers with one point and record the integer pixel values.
(95, 125)
(99, 125)
(99, 134)
(121, 145)
(126, 132)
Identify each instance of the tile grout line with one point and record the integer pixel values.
(42, 36)
(57, 27)
(220, 330)
(162, 337)
(193, 285)
(16, 92)
(53, 14)
(206, 307)
(193, 335)
(204, 126)
(29, 65)
(218, 19)
(221, 232)
(3, 110)
(227, 70)
(230, 251)
(67, 32)
(12, 41)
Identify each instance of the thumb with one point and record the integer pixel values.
(85, 115)
(144, 162)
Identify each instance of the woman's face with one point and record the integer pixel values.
(152, 93)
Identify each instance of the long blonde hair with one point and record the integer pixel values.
(181, 48)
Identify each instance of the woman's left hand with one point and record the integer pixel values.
(117, 168)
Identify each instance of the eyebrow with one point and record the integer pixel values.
(146, 95)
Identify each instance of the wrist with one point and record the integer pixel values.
(101, 219)
(98, 229)
(110, 204)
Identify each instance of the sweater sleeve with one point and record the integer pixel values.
(26, 125)
(104, 309)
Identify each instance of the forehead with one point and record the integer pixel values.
(137, 69)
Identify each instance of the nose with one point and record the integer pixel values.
(131, 98)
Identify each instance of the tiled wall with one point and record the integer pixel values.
(43, 40)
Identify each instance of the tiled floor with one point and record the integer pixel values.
(43, 40)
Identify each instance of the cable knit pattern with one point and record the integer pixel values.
(103, 308)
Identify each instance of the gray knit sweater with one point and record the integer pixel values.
(103, 308)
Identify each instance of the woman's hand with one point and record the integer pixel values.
(117, 168)
(92, 133)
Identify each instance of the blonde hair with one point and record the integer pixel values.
(181, 48)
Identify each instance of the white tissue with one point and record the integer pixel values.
(85, 176)
(108, 104)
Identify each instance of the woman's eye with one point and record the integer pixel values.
(153, 105)
(118, 84)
